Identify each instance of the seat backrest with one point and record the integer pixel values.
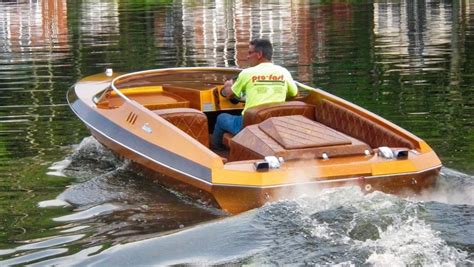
(191, 121)
(352, 124)
(261, 113)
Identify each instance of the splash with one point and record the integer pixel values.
(305, 180)
(376, 228)
(58, 167)
(453, 187)
(90, 159)
(311, 225)
(411, 242)
(338, 226)
(91, 164)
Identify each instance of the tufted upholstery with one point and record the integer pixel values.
(294, 132)
(191, 121)
(260, 113)
(350, 123)
(254, 143)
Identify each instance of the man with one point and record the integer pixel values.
(262, 83)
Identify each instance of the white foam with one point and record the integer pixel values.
(90, 147)
(406, 240)
(56, 173)
(411, 242)
(329, 198)
(53, 203)
(452, 187)
(321, 231)
(88, 143)
(58, 167)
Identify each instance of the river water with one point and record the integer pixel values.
(65, 199)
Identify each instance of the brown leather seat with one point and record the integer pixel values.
(260, 113)
(191, 121)
(350, 123)
(293, 137)
(226, 139)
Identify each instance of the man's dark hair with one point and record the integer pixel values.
(264, 46)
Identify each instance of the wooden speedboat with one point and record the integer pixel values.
(161, 121)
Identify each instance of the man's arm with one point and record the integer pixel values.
(293, 91)
(227, 90)
(291, 87)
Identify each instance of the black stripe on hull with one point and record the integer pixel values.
(138, 145)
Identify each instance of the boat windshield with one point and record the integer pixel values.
(192, 78)
(161, 85)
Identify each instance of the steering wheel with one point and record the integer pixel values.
(234, 99)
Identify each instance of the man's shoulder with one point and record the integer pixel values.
(276, 67)
(280, 67)
(246, 73)
(263, 67)
(252, 69)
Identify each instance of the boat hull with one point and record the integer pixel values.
(237, 199)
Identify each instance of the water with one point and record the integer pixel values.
(64, 199)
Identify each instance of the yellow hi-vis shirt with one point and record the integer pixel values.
(264, 83)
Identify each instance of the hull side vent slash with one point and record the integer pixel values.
(132, 118)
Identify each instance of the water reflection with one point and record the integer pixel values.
(410, 61)
(39, 27)
(99, 18)
(416, 36)
(215, 31)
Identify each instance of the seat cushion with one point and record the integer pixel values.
(191, 121)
